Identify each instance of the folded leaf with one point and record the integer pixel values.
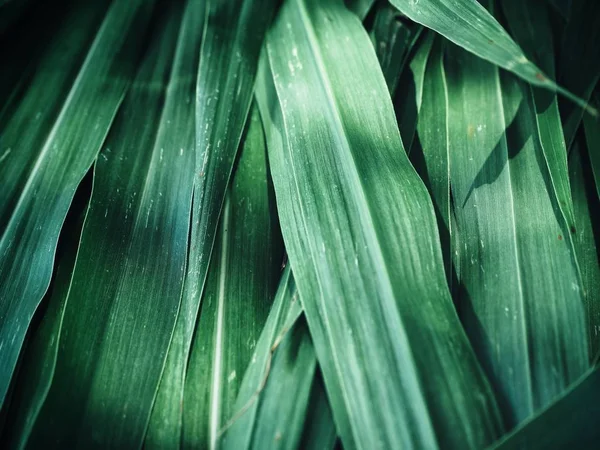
(42, 167)
(128, 277)
(360, 231)
(228, 60)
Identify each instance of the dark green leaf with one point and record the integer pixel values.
(240, 288)
(128, 277)
(41, 168)
(570, 421)
(228, 60)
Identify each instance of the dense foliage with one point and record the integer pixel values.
(299, 224)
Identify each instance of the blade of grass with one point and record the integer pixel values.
(520, 297)
(469, 25)
(55, 164)
(228, 60)
(362, 241)
(240, 288)
(128, 277)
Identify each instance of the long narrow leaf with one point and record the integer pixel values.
(468, 24)
(37, 368)
(587, 220)
(41, 172)
(521, 295)
(233, 35)
(430, 149)
(360, 231)
(532, 28)
(239, 291)
(282, 402)
(128, 278)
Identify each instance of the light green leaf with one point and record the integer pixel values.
(41, 168)
(587, 220)
(128, 277)
(468, 24)
(521, 295)
(239, 291)
(228, 60)
(360, 232)
(570, 421)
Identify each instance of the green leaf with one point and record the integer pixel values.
(36, 370)
(562, 6)
(521, 296)
(571, 420)
(239, 290)
(393, 40)
(282, 402)
(41, 168)
(592, 136)
(469, 25)
(587, 220)
(430, 150)
(128, 277)
(409, 96)
(228, 60)
(360, 231)
(530, 23)
(580, 61)
(360, 7)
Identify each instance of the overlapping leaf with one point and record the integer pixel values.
(282, 402)
(526, 323)
(228, 60)
(47, 151)
(126, 286)
(238, 295)
(361, 236)
(468, 24)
